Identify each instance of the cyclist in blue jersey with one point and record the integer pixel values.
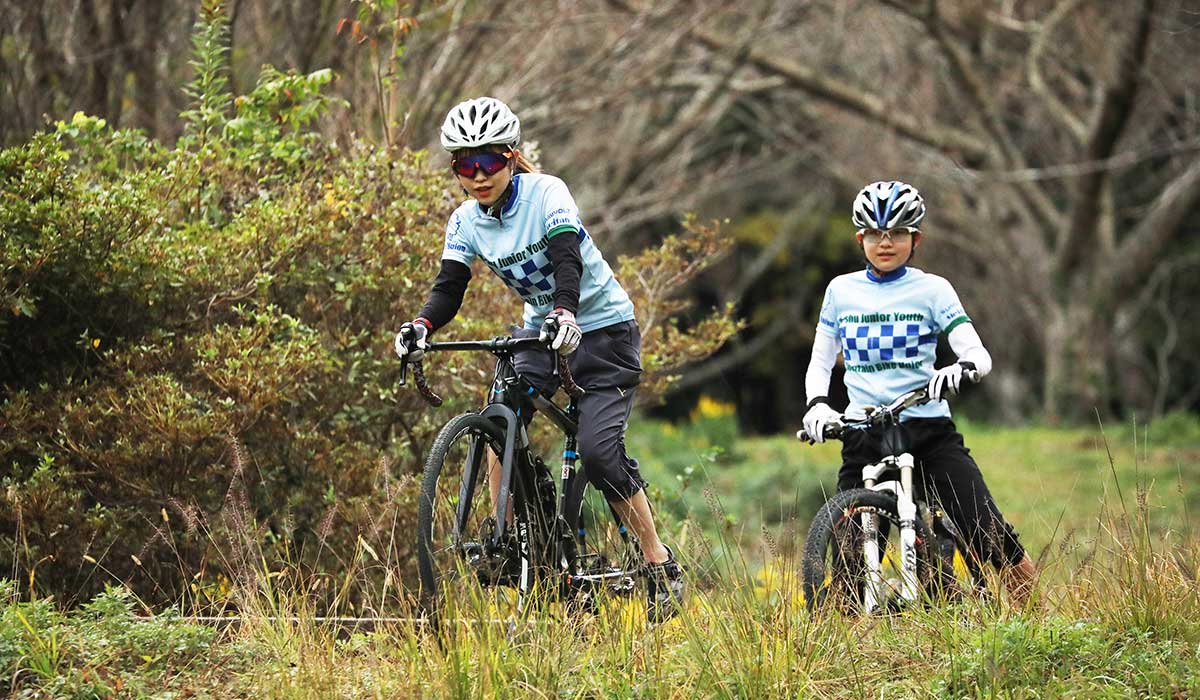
(525, 226)
(885, 321)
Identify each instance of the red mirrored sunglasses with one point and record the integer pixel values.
(489, 163)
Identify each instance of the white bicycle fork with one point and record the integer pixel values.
(875, 589)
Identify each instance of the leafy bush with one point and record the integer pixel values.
(97, 651)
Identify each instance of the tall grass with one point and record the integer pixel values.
(1116, 614)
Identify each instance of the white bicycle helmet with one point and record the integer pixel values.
(480, 122)
(888, 204)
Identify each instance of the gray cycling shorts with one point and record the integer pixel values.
(608, 366)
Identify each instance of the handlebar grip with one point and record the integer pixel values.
(423, 386)
(833, 431)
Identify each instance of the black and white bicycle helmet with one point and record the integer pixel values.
(480, 122)
(888, 204)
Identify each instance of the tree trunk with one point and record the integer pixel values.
(142, 60)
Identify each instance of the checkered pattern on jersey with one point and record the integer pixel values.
(532, 277)
(885, 341)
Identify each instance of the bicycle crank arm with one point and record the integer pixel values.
(619, 582)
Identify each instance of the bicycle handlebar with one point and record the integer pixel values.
(503, 344)
(880, 415)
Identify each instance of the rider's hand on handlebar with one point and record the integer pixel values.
(410, 341)
(561, 328)
(819, 416)
(945, 381)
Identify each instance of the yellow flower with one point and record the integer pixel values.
(708, 407)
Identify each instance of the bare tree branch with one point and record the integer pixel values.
(1141, 250)
(1038, 206)
(1115, 107)
(1041, 40)
(954, 142)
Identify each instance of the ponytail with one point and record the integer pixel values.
(522, 164)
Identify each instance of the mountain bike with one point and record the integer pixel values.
(534, 534)
(883, 546)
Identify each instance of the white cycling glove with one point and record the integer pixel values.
(819, 416)
(410, 341)
(562, 327)
(945, 381)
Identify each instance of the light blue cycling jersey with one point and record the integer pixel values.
(888, 329)
(515, 246)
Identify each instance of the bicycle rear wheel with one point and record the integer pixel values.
(833, 570)
(456, 524)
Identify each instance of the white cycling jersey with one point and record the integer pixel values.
(888, 328)
(515, 246)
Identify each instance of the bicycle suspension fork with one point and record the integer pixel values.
(873, 586)
(907, 510)
(875, 589)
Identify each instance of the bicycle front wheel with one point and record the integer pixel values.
(456, 519)
(834, 567)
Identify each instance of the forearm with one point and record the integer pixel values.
(447, 294)
(567, 261)
(968, 347)
(820, 366)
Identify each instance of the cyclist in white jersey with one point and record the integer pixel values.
(525, 226)
(884, 321)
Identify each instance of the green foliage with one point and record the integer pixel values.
(75, 275)
(271, 120)
(1177, 429)
(100, 650)
(209, 89)
(653, 279)
(1058, 657)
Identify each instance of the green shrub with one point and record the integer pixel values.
(100, 650)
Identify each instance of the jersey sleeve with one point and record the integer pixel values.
(458, 243)
(827, 322)
(560, 213)
(948, 311)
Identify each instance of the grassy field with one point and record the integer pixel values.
(1117, 614)
(1059, 487)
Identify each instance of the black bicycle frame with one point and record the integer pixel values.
(511, 394)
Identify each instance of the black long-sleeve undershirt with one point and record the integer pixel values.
(446, 297)
(568, 268)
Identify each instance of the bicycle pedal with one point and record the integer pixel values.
(623, 585)
(472, 552)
